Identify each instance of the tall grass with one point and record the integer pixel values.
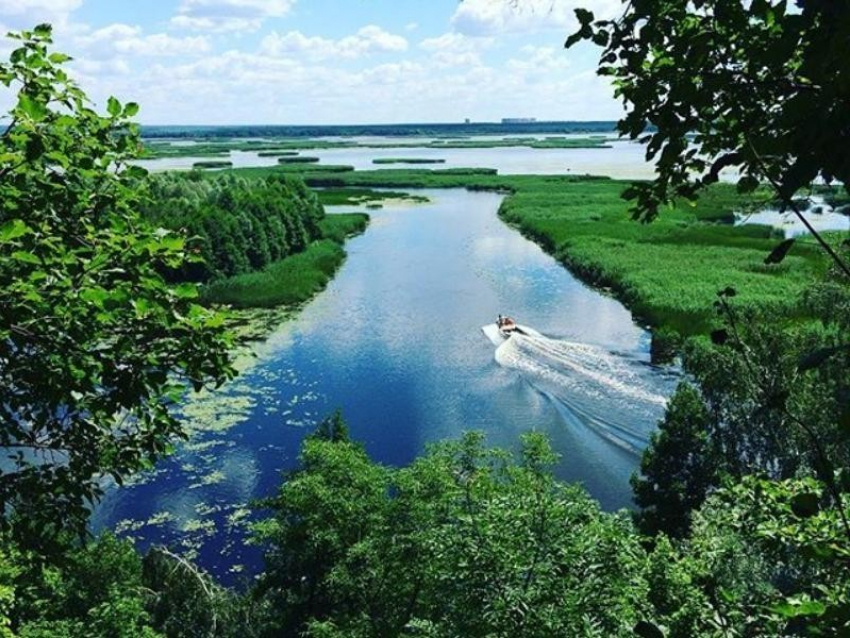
(339, 227)
(297, 278)
(290, 281)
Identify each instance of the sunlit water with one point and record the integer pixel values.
(820, 215)
(396, 342)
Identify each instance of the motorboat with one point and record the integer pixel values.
(504, 328)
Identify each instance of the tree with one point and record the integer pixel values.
(236, 225)
(96, 592)
(332, 428)
(95, 347)
(715, 84)
(678, 469)
(464, 542)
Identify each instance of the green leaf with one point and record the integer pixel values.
(135, 172)
(59, 58)
(43, 30)
(26, 257)
(113, 106)
(32, 108)
(95, 295)
(797, 608)
(173, 243)
(13, 229)
(186, 291)
(131, 109)
(584, 16)
(574, 39)
(215, 321)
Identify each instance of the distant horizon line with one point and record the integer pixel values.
(379, 124)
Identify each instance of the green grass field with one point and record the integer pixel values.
(667, 272)
(296, 279)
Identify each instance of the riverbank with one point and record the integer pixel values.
(297, 278)
(667, 272)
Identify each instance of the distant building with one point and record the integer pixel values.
(467, 121)
(518, 120)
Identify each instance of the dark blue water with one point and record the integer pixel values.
(396, 342)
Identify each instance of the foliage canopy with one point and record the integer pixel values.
(758, 85)
(94, 345)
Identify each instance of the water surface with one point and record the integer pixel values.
(817, 212)
(624, 160)
(396, 342)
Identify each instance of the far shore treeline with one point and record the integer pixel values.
(382, 130)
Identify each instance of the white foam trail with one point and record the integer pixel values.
(619, 398)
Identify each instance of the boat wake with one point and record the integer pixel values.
(617, 396)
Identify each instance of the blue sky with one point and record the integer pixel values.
(328, 61)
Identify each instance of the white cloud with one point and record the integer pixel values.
(237, 86)
(369, 76)
(455, 42)
(539, 61)
(411, 26)
(163, 44)
(110, 33)
(495, 17)
(17, 7)
(228, 15)
(456, 49)
(124, 38)
(115, 66)
(20, 14)
(370, 39)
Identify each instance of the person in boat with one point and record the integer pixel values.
(506, 323)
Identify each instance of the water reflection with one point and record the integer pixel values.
(396, 342)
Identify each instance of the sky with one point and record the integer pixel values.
(327, 61)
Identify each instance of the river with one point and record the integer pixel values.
(396, 342)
